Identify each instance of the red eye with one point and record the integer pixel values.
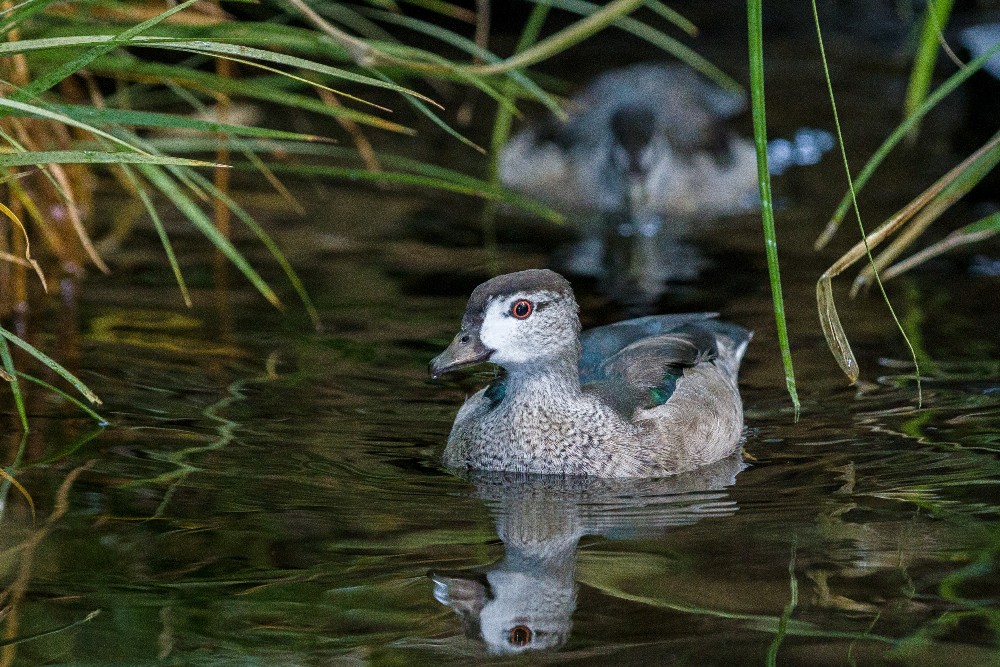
(520, 635)
(521, 310)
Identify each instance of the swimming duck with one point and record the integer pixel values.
(641, 398)
(643, 140)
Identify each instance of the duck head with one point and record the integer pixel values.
(515, 320)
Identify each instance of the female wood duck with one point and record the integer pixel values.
(644, 140)
(641, 398)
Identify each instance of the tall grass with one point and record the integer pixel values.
(101, 89)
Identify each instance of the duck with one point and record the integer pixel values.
(645, 397)
(643, 141)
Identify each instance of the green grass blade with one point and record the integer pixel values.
(161, 232)
(593, 23)
(35, 110)
(52, 364)
(268, 242)
(756, 42)
(15, 384)
(481, 189)
(935, 20)
(160, 121)
(468, 46)
(56, 390)
(827, 309)
(672, 15)
(94, 157)
(655, 37)
(200, 220)
(53, 77)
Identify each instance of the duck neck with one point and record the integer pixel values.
(560, 376)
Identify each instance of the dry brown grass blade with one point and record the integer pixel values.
(27, 260)
(361, 142)
(942, 200)
(954, 240)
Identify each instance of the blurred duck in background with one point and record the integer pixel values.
(645, 139)
(646, 150)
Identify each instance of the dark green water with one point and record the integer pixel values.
(267, 495)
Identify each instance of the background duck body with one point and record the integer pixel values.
(645, 139)
(641, 398)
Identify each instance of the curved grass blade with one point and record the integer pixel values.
(38, 635)
(10, 375)
(53, 77)
(648, 33)
(200, 220)
(210, 47)
(756, 40)
(56, 390)
(269, 243)
(51, 363)
(34, 110)
(956, 184)
(27, 259)
(161, 232)
(562, 40)
(942, 91)
(473, 49)
(20, 488)
(824, 290)
(672, 15)
(260, 88)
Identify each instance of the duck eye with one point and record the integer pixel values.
(521, 309)
(520, 635)
(465, 338)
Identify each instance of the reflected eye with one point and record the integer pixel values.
(520, 635)
(521, 309)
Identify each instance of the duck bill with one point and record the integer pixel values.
(460, 355)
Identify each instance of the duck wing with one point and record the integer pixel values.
(601, 343)
(644, 373)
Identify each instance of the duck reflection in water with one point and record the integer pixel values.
(526, 600)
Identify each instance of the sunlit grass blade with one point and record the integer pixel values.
(34, 110)
(161, 121)
(53, 77)
(935, 19)
(210, 47)
(833, 329)
(95, 157)
(973, 233)
(201, 221)
(260, 88)
(51, 363)
(27, 259)
(897, 135)
(756, 42)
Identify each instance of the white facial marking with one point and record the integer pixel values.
(503, 333)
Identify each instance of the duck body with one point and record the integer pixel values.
(643, 140)
(642, 398)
